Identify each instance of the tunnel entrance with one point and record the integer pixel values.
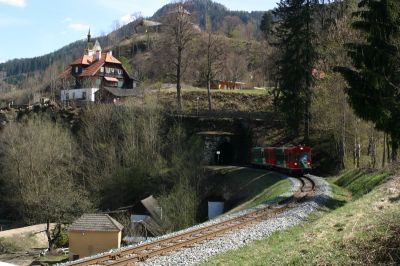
(224, 154)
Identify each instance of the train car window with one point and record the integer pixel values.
(303, 159)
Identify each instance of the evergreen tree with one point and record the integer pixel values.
(266, 24)
(295, 39)
(374, 81)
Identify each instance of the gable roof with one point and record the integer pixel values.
(96, 222)
(83, 60)
(92, 65)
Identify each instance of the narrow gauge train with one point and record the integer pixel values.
(291, 159)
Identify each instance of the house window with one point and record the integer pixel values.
(108, 70)
(119, 71)
(84, 95)
(76, 69)
(102, 69)
(67, 96)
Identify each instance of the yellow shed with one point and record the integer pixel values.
(92, 234)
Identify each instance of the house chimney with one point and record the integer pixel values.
(98, 54)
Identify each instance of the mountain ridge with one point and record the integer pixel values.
(202, 8)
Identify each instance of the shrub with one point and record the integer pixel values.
(60, 236)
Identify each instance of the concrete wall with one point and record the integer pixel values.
(76, 94)
(86, 243)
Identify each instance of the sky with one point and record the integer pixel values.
(31, 28)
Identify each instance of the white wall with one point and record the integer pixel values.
(76, 94)
(215, 209)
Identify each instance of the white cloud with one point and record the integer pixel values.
(17, 3)
(78, 26)
(126, 19)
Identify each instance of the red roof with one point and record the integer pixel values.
(111, 59)
(92, 69)
(84, 60)
(92, 66)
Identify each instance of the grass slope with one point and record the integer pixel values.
(365, 231)
(359, 181)
(246, 187)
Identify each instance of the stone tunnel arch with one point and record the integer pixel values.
(224, 153)
(217, 141)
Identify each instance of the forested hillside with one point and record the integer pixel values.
(207, 9)
(200, 8)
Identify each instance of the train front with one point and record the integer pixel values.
(302, 156)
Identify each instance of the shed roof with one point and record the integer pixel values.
(96, 222)
(122, 92)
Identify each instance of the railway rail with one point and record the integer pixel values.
(161, 247)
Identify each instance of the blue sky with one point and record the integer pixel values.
(31, 28)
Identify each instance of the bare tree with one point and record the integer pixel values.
(214, 62)
(235, 67)
(230, 25)
(38, 167)
(179, 33)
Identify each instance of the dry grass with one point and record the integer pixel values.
(362, 232)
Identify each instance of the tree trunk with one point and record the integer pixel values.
(384, 151)
(48, 234)
(178, 80)
(209, 94)
(343, 146)
(357, 147)
(388, 148)
(307, 124)
(395, 147)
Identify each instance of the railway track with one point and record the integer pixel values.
(168, 245)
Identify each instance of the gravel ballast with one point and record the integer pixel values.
(201, 252)
(236, 239)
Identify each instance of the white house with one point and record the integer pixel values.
(82, 94)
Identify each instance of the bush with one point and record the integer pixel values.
(60, 236)
(8, 246)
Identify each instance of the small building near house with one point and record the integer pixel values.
(148, 26)
(94, 71)
(92, 234)
(227, 85)
(113, 95)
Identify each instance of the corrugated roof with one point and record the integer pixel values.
(96, 222)
(152, 206)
